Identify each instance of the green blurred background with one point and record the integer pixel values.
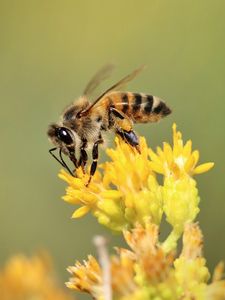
(48, 52)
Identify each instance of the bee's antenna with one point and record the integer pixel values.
(62, 162)
(68, 169)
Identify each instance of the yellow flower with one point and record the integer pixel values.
(216, 290)
(123, 273)
(79, 193)
(181, 200)
(191, 273)
(152, 260)
(178, 160)
(128, 171)
(126, 193)
(154, 273)
(87, 277)
(30, 278)
(126, 196)
(147, 272)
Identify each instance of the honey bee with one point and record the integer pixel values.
(82, 123)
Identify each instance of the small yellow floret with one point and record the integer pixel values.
(86, 277)
(179, 160)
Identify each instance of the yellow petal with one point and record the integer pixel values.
(160, 153)
(154, 156)
(203, 168)
(175, 137)
(83, 197)
(70, 199)
(157, 167)
(80, 212)
(175, 169)
(65, 176)
(196, 156)
(187, 149)
(190, 163)
(111, 194)
(218, 272)
(168, 152)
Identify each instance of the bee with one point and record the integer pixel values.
(82, 123)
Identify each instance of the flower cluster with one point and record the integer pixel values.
(129, 192)
(127, 197)
(147, 272)
(31, 278)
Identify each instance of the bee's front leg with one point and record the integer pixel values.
(95, 158)
(83, 155)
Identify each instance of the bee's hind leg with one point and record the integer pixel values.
(124, 128)
(130, 138)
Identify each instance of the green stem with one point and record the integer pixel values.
(171, 242)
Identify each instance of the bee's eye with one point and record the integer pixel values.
(64, 135)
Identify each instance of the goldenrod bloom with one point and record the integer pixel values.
(178, 160)
(191, 271)
(180, 205)
(87, 277)
(154, 263)
(126, 193)
(26, 278)
(123, 273)
(127, 197)
(147, 272)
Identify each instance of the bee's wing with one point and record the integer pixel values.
(101, 75)
(116, 86)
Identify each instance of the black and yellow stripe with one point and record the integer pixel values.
(125, 102)
(137, 102)
(148, 105)
(141, 108)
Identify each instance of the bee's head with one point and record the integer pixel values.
(61, 137)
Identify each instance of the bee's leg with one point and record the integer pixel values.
(120, 120)
(83, 155)
(95, 158)
(124, 128)
(72, 157)
(130, 138)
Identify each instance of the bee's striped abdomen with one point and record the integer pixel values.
(148, 105)
(141, 108)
